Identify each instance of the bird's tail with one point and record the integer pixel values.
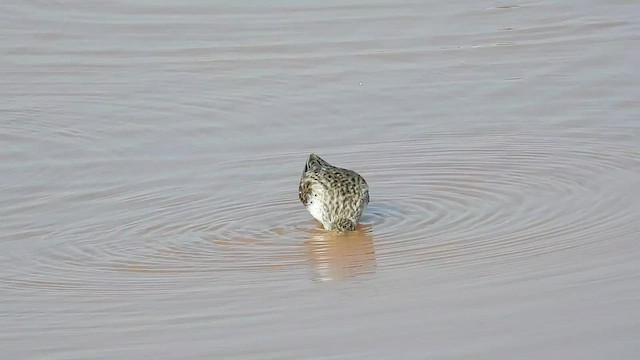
(314, 162)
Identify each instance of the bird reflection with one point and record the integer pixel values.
(336, 256)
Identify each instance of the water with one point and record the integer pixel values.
(151, 153)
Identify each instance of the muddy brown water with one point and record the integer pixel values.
(150, 154)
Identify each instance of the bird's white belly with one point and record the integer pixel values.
(316, 209)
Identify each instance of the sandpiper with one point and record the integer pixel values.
(334, 196)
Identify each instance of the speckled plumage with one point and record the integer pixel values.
(334, 196)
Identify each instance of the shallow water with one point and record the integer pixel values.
(151, 153)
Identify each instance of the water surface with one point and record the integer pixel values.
(150, 154)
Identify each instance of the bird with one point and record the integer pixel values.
(334, 196)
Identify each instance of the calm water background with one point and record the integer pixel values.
(150, 153)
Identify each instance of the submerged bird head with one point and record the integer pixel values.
(341, 225)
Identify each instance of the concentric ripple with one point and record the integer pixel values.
(456, 201)
(447, 202)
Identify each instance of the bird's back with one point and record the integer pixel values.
(334, 196)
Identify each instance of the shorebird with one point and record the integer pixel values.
(334, 196)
